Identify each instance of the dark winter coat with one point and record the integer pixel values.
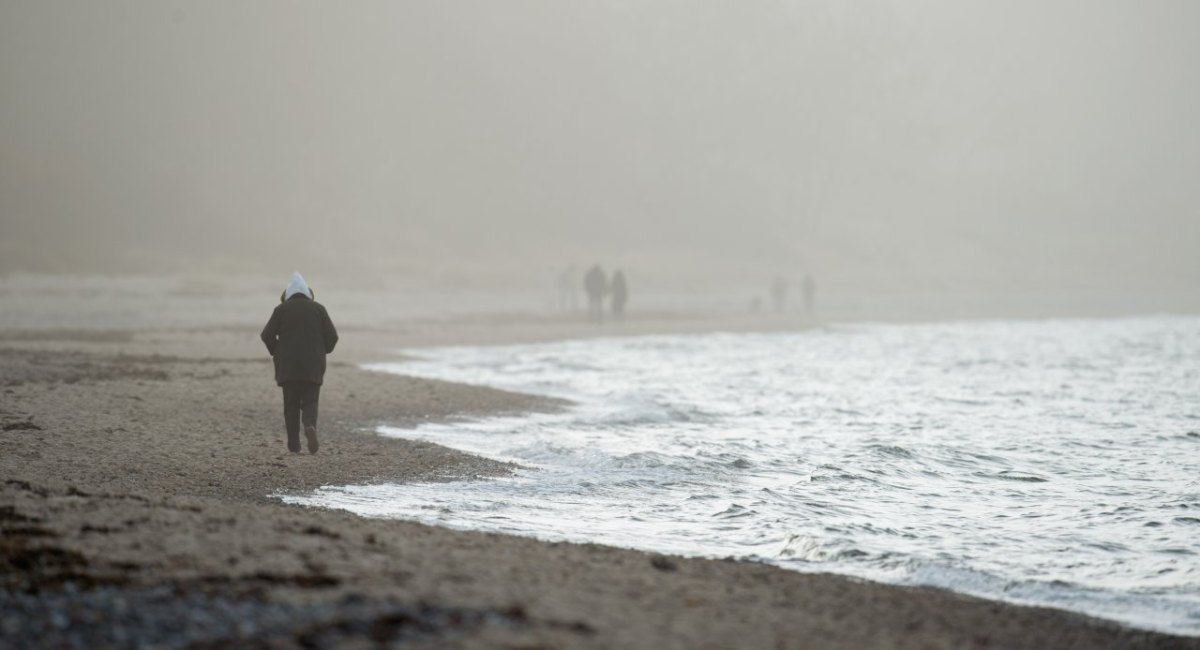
(298, 336)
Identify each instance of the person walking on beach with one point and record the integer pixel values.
(595, 284)
(298, 336)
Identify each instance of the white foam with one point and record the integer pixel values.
(1046, 463)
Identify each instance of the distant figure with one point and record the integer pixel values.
(298, 336)
(620, 295)
(779, 292)
(595, 285)
(755, 305)
(810, 296)
(568, 289)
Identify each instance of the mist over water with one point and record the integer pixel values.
(960, 148)
(167, 165)
(1043, 462)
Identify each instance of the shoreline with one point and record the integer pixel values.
(1168, 613)
(145, 460)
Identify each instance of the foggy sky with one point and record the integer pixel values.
(884, 144)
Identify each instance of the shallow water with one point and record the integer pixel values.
(1050, 462)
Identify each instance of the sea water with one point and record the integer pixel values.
(1052, 463)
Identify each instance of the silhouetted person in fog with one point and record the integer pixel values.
(620, 295)
(810, 295)
(779, 292)
(298, 336)
(595, 285)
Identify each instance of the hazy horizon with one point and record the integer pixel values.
(883, 146)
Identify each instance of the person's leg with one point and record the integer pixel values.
(292, 397)
(312, 395)
(308, 407)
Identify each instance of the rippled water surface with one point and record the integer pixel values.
(1052, 462)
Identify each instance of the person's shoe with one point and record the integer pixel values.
(310, 432)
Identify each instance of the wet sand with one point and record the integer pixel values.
(137, 470)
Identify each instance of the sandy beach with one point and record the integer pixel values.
(138, 505)
(918, 284)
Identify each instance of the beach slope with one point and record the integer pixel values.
(137, 474)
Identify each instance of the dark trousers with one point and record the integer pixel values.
(299, 397)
